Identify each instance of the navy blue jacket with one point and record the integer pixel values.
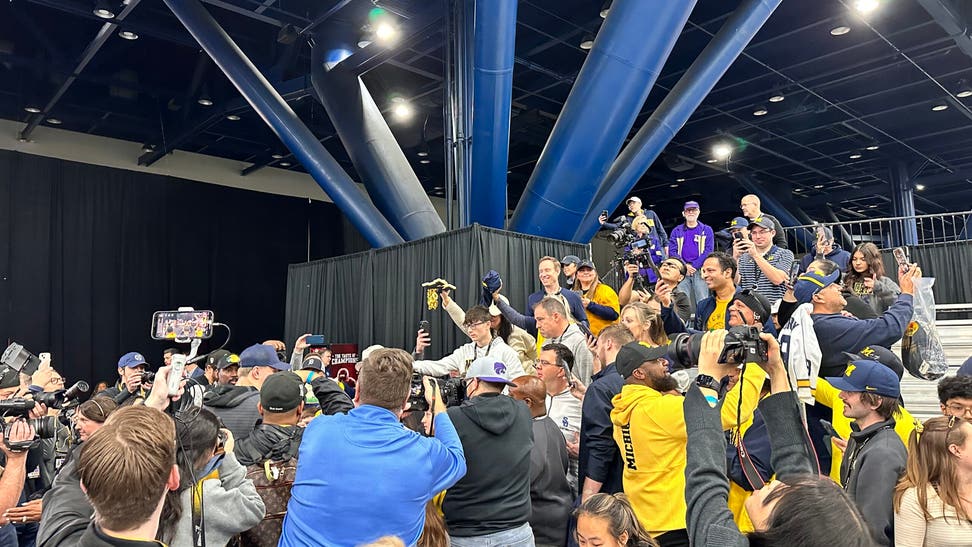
(599, 457)
(526, 321)
(703, 310)
(836, 255)
(836, 333)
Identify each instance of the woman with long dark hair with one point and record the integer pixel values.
(933, 500)
(607, 520)
(865, 278)
(214, 492)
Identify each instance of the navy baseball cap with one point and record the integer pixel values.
(261, 355)
(132, 359)
(586, 264)
(635, 354)
(762, 222)
(813, 282)
(570, 259)
(488, 369)
(865, 376)
(880, 354)
(738, 223)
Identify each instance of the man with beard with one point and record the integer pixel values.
(649, 429)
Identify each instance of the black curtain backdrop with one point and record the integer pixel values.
(948, 263)
(376, 297)
(87, 253)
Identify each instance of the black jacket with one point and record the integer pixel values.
(549, 491)
(874, 461)
(599, 457)
(269, 442)
(94, 537)
(236, 406)
(331, 397)
(494, 495)
(66, 512)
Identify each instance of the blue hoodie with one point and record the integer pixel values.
(362, 475)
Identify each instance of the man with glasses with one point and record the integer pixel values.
(955, 396)
(563, 407)
(484, 343)
(691, 242)
(762, 265)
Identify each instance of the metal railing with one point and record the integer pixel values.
(886, 232)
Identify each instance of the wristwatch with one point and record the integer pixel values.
(704, 380)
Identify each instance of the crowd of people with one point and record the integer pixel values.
(715, 399)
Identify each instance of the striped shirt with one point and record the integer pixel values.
(751, 277)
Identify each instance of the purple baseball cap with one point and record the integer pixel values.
(691, 205)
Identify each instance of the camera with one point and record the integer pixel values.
(148, 377)
(44, 428)
(63, 397)
(742, 345)
(621, 237)
(19, 359)
(452, 391)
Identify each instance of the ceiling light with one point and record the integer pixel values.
(364, 42)
(711, 160)
(605, 8)
(721, 151)
(919, 187)
(797, 190)
(964, 93)
(33, 109)
(673, 186)
(385, 32)
(402, 110)
(53, 121)
(422, 154)
(818, 186)
(839, 31)
(103, 10)
(205, 101)
(872, 206)
(233, 118)
(284, 164)
(940, 107)
(778, 98)
(760, 111)
(426, 161)
(587, 42)
(128, 35)
(277, 156)
(680, 180)
(872, 148)
(866, 6)
(855, 156)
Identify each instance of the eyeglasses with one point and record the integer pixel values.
(468, 326)
(543, 363)
(956, 409)
(56, 381)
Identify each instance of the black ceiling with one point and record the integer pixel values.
(872, 86)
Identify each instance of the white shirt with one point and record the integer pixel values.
(465, 354)
(565, 410)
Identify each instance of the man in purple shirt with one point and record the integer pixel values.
(692, 241)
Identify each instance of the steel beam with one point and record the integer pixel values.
(284, 122)
(677, 107)
(611, 88)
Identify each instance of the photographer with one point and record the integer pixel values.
(799, 507)
(666, 292)
(650, 431)
(367, 439)
(130, 369)
(19, 434)
(647, 249)
(634, 211)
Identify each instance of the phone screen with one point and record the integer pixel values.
(180, 325)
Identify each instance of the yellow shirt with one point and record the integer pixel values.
(649, 429)
(605, 296)
(828, 395)
(718, 318)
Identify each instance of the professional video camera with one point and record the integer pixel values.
(44, 428)
(742, 345)
(621, 237)
(63, 398)
(452, 391)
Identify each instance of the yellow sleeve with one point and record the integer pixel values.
(826, 394)
(750, 388)
(607, 297)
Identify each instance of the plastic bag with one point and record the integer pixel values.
(921, 347)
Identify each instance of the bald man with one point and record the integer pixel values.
(750, 206)
(549, 492)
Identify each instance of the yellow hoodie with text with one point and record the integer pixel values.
(649, 428)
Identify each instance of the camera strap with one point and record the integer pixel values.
(198, 520)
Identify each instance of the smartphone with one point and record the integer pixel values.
(737, 235)
(829, 428)
(604, 213)
(315, 340)
(178, 364)
(182, 325)
(425, 326)
(901, 257)
(585, 329)
(794, 273)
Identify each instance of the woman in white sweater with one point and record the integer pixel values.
(933, 501)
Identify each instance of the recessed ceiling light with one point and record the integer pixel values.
(919, 187)
(205, 101)
(855, 156)
(277, 156)
(402, 110)
(53, 121)
(673, 186)
(940, 107)
(818, 186)
(422, 154)
(964, 93)
(587, 42)
(872, 148)
(148, 148)
(233, 118)
(363, 43)
(711, 160)
(872, 206)
(778, 98)
(839, 31)
(798, 190)
(866, 6)
(284, 164)
(680, 180)
(651, 205)
(128, 35)
(761, 111)
(32, 109)
(426, 161)
(103, 10)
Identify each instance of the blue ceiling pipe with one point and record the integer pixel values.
(675, 110)
(284, 122)
(610, 90)
(376, 155)
(494, 43)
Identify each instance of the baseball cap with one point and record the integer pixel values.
(132, 359)
(488, 369)
(221, 359)
(312, 362)
(691, 205)
(282, 392)
(880, 354)
(635, 354)
(367, 353)
(570, 259)
(738, 223)
(813, 282)
(261, 355)
(633, 198)
(762, 222)
(753, 300)
(586, 264)
(966, 368)
(863, 376)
